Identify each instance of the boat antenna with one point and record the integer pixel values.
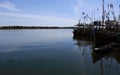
(103, 11)
(119, 15)
(119, 9)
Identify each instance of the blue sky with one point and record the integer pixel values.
(48, 12)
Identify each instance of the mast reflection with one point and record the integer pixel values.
(83, 43)
(104, 59)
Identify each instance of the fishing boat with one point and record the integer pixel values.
(111, 26)
(104, 32)
(104, 35)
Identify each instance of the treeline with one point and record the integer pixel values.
(33, 27)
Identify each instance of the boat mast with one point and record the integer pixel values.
(119, 15)
(119, 9)
(103, 11)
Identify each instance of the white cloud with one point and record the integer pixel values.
(8, 5)
(42, 19)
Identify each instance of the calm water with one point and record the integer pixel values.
(52, 52)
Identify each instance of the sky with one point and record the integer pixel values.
(50, 12)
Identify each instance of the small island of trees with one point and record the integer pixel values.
(34, 27)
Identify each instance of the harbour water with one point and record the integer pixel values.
(53, 52)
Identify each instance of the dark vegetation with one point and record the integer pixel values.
(34, 27)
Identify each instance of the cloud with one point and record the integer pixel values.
(8, 5)
(42, 19)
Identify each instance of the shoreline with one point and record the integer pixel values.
(32, 27)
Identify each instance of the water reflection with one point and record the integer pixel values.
(115, 54)
(84, 43)
(53, 52)
(106, 61)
